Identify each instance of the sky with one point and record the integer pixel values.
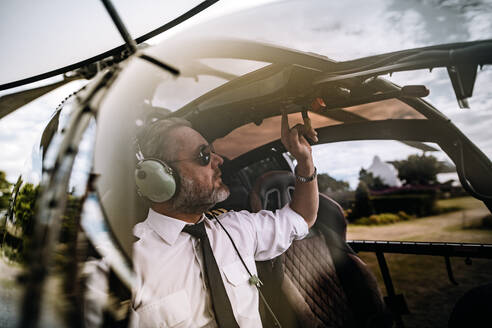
(339, 30)
(30, 53)
(58, 33)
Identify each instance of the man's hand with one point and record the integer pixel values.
(294, 139)
(305, 198)
(295, 142)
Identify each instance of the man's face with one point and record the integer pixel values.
(201, 186)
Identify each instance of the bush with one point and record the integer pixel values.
(12, 254)
(487, 222)
(378, 219)
(447, 209)
(413, 200)
(404, 216)
(384, 218)
(363, 221)
(416, 204)
(363, 205)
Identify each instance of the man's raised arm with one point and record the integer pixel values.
(305, 199)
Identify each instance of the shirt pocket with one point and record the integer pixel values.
(171, 311)
(244, 296)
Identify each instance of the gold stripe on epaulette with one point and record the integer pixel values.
(219, 211)
(212, 214)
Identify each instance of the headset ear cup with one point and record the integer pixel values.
(177, 178)
(155, 180)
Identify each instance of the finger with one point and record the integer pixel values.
(307, 120)
(298, 129)
(297, 141)
(284, 132)
(295, 134)
(308, 133)
(311, 134)
(303, 141)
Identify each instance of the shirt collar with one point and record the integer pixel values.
(168, 228)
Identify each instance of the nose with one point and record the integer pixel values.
(217, 160)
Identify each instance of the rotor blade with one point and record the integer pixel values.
(13, 101)
(115, 52)
(49, 132)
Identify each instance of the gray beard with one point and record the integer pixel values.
(193, 199)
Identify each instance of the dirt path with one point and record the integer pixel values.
(445, 227)
(10, 293)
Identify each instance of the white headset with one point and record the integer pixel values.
(154, 179)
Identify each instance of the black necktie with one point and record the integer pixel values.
(220, 302)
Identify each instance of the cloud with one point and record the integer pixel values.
(20, 131)
(343, 160)
(342, 31)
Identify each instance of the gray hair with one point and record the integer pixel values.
(154, 141)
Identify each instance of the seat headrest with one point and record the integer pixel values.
(272, 190)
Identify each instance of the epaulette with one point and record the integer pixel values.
(213, 214)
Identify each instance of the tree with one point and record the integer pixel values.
(363, 204)
(418, 169)
(25, 206)
(4, 191)
(372, 182)
(330, 184)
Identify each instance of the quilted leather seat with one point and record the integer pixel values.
(319, 281)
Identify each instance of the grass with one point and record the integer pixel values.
(383, 218)
(484, 224)
(424, 282)
(458, 203)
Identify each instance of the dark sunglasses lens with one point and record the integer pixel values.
(204, 157)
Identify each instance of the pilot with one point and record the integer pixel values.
(195, 270)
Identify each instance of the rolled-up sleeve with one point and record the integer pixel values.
(274, 231)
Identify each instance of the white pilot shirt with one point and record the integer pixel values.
(171, 291)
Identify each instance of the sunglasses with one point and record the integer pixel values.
(204, 156)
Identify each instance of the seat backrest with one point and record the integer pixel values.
(324, 282)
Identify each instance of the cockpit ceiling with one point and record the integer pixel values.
(385, 110)
(251, 136)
